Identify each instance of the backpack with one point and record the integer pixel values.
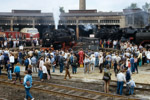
(26, 62)
(61, 60)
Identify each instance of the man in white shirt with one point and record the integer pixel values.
(12, 61)
(148, 57)
(100, 63)
(86, 64)
(120, 81)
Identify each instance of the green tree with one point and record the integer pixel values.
(146, 7)
(133, 6)
(61, 9)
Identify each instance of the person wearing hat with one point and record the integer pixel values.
(28, 84)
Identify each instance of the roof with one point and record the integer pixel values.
(91, 14)
(25, 14)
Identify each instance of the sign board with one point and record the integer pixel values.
(21, 47)
(92, 35)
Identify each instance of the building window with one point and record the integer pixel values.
(109, 21)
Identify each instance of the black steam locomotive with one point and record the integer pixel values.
(137, 36)
(57, 37)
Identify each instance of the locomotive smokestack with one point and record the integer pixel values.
(82, 5)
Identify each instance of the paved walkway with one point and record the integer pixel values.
(141, 77)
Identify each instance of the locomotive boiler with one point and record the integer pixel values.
(58, 37)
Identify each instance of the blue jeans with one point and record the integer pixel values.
(0, 71)
(20, 61)
(131, 91)
(136, 67)
(40, 74)
(132, 67)
(119, 87)
(96, 61)
(53, 68)
(109, 63)
(28, 93)
(115, 46)
(74, 69)
(61, 67)
(9, 75)
(86, 68)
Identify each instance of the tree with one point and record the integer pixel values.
(133, 6)
(146, 7)
(61, 9)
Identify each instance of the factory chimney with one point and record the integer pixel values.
(82, 5)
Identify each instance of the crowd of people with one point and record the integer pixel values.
(126, 59)
(18, 41)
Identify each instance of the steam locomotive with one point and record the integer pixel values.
(58, 37)
(137, 36)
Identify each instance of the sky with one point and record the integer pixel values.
(53, 5)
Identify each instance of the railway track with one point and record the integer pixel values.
(140, 87)
(66, 91)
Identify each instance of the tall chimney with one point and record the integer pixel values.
(82, 5)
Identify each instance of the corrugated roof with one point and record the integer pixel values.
(25, 14)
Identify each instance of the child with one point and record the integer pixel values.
(131, 84)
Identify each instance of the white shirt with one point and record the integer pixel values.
(41, 63)
(29, 61)
(44, 69)
(12, 59)
(100, 60)
(118, 59)
(148, 55)
(121, 77)
(131, 83)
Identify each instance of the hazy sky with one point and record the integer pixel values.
(51, 5)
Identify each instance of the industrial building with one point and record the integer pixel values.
(18, 19)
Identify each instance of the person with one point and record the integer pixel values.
(86, 64)
(34, 63)
(45, 73)
(140, 59)
(20, 56)
(0, 63)
(106, 78)
(81, 56)
(131, 84)
(40, 73)
(12, 61)
(61, 62)
(9, 69)
(100, 63)
(28, 84)
(128, 77)
(53, 62)
(120, 81)
(17, 72)
(67, 73)
(26, 63)
(132, 64)
(74, 64)
(135, 63)
(48, 66)
(96, 58)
